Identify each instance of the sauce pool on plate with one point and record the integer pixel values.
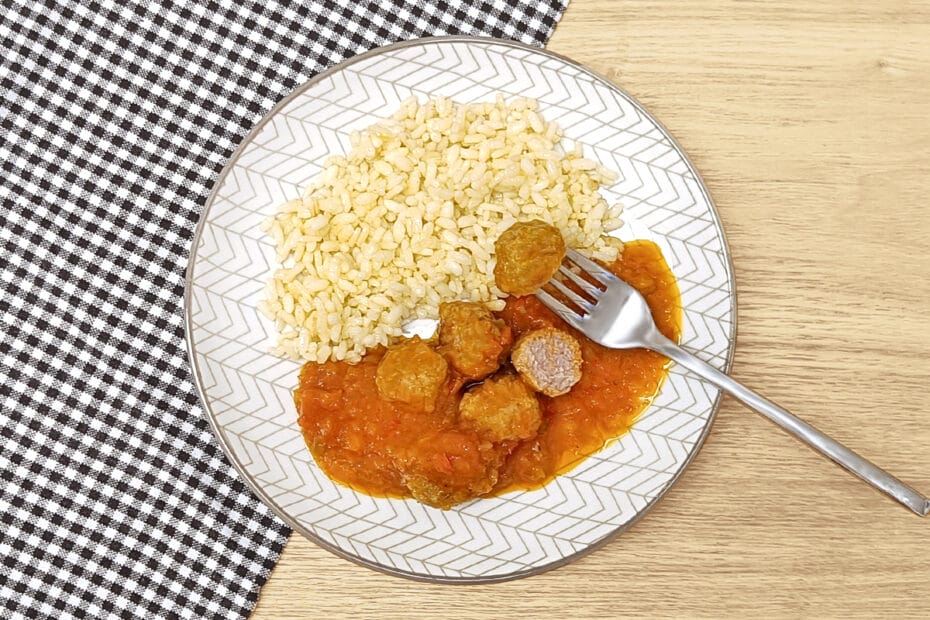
(389, 448)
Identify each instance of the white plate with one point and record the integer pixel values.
(247, 392)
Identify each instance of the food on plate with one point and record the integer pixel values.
(473, 340)
(503, 408)
(455, 212)
(450, 467)
(549, 360)
(528, 254)
(407, 219)
(484, 438)
(411, 372)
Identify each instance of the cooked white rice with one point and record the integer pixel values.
(409, 217)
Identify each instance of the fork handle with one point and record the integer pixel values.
(801, 430)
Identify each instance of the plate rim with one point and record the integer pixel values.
(196, 375)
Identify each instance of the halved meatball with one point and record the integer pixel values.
(473, 341)
(549, 360)
(503, 408)
(412, 372)
(528, 254)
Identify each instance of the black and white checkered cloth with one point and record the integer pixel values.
(116, 118)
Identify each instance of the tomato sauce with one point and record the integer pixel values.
(373, 445)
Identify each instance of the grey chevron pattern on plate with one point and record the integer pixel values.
(247, 392)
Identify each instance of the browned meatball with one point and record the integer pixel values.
(435, 494)
(549, 360)
(503, 408)
(450, 466)
(471, 338)
(412, 372)
(446, 495)
(528, 254)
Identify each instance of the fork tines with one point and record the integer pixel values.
(580, 282)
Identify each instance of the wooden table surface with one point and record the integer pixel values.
(809, 123)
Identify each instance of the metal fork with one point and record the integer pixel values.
(615, 315)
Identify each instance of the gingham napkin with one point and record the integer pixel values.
(116, 118)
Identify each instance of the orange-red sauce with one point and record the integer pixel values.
(365, 442)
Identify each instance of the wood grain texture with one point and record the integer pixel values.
(809, 124)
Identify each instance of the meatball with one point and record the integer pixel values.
(528, 254)
(412, 372)
(449, 467)
(435, 494)
(549, 360)
(503, 408)
(442, 495)
(471, 338)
